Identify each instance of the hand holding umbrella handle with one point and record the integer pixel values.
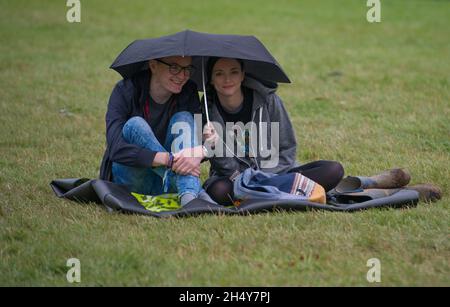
(210, 135)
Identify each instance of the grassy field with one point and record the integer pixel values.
(372, 96)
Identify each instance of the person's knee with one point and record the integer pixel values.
(221, 192)
(182, 116)
(133, 124)
(135, 120)
(337, 170)
(183, 127)
(336, 173)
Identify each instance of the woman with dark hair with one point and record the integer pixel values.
(242, 106)
(147, 117)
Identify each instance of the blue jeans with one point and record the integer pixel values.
(158, 180)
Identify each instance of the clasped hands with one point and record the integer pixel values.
(187, 161)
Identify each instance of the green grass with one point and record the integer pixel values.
(388, 106)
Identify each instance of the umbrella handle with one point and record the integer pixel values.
(204, 91)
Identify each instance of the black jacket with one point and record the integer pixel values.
(127, 100)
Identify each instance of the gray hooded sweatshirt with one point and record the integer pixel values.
(275, 154)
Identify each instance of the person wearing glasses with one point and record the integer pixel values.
(152, 147)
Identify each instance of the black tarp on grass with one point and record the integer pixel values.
(117, 198)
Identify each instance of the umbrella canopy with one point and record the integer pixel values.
(257, 59)
(258, 62)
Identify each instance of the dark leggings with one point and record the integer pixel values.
(326, 173)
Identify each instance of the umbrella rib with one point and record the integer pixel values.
(184, 43)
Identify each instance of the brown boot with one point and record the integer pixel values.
(390, 179)
(427, 192)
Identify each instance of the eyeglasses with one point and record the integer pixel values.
(175, 69)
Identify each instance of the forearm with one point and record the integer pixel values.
(161, 159)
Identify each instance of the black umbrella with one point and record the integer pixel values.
(258, 61)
